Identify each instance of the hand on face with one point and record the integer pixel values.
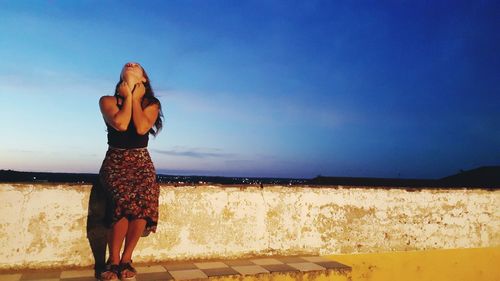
(139, 91)
(124, 90)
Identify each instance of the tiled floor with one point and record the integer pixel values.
(195, 270)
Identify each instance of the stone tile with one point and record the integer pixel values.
(238, 262)
(156, 276)
(250, 269)
(187, 274)
(206, 265)
(333, 265)
(41, 275)
(45, 279)
(10, 277)
(150, 269)
(279, 268)
(291, 259)
(266, 261)
(316, 259)
(79, 279)
(180, 266)
(77, 273)
(220, 271)
(306, 266)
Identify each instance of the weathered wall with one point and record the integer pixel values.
(44, 225)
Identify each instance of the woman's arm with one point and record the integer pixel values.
(117, 118)
(145, 118)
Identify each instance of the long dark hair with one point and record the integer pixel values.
(150, 98)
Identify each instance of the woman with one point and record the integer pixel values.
(127, 172)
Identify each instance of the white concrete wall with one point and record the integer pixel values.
(44, 225)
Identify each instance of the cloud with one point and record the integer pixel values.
(195, 153)
(38, 81)
(259, 109)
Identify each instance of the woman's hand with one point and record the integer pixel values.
(124, 90)
(139, 91)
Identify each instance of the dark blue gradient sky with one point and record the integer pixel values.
(258, 88)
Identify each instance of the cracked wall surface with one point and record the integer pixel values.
(51, 225)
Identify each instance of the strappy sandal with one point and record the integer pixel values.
(127, 266)
(113, 268)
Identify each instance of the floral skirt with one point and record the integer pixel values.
(129, 179)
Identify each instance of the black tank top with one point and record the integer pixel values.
(127, 139)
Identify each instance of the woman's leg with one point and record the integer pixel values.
(115, 241)
(135, 230)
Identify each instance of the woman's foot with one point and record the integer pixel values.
(110, 273)
(127, 271)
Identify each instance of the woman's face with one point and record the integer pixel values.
(133, 71)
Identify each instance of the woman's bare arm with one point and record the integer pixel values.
(144, 119)
(118, 118)
(114, 116)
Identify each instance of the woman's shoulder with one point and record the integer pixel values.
(107, 99)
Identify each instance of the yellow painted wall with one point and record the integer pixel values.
(47, 225)
(478, 264)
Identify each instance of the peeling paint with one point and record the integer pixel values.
(43, 225)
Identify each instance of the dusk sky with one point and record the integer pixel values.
(268, 88)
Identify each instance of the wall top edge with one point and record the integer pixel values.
(253, 186)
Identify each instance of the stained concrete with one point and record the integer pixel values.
(47, 225)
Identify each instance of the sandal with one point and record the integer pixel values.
(127, 266)
(113, 268)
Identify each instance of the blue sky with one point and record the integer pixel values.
(258, 88)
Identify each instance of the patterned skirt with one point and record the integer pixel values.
(129, 180)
